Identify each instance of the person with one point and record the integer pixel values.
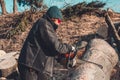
(35, 61)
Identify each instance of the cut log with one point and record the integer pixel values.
(14, 54)
(2, 53)
(99, 52)
(7, 66)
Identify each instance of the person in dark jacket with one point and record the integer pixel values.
(41, 46)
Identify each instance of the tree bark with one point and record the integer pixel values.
(99, 52)
(3, 7)
(15, 6)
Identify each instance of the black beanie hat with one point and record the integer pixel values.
(54, 12)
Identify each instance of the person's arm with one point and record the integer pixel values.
(51, 40)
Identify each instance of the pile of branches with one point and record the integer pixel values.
(19, 24)
(93, 7)
(78, 9)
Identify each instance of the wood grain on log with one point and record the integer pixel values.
(100, 52)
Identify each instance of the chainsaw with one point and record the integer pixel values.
(66, 59)
(69, 60)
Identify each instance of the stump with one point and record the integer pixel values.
(100, 52)
(7, 66)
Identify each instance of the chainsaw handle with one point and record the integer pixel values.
(70, 58)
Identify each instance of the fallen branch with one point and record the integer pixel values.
(112, 32)
(111, 25)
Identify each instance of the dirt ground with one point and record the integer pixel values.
(70, 31)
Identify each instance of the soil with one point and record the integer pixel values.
(70, 31)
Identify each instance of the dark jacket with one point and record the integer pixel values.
(41, 42)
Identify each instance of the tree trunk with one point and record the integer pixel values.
(3, 7)
(99, 52)
(15, 6)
